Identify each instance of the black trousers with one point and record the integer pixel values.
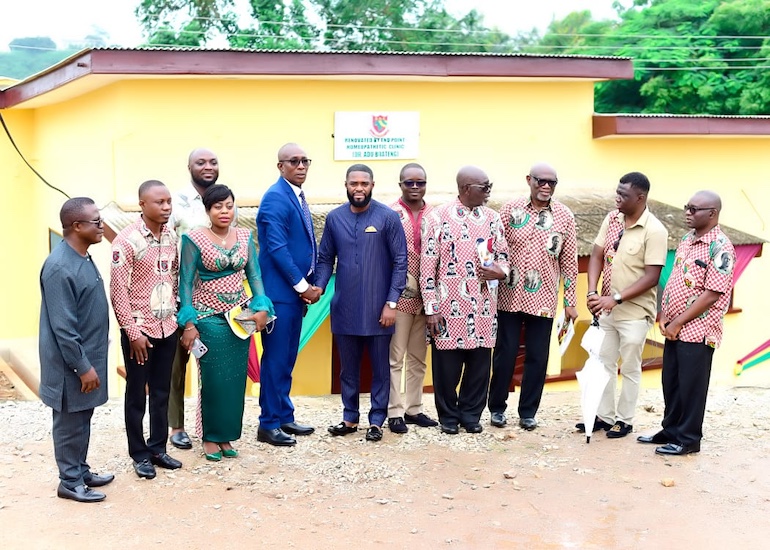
(537, 338)
(155, 374)
(466, 407)
(686, 373)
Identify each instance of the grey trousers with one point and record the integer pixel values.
(71, 436)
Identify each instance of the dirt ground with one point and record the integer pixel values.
(504, 488)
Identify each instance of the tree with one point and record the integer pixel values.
(707, 57)
(29, 56)
(36, 44)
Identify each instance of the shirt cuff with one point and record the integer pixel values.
(132, 332)
(301, 286)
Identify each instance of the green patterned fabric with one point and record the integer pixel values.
(316, 314)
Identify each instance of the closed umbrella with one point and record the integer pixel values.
(593, 377)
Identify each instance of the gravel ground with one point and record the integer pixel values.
(501, 489)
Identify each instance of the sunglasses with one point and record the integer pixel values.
(486, 187)
(616, 244)
(693, 209)
(296, 162)
(97, 223)
(542, 182)
(414, 183)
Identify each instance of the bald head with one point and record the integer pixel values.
(543, 169)
(200, 152)
(707, 199)
(204, 168)
(290, 150)
(468, 175)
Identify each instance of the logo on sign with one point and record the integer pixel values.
(379, 125)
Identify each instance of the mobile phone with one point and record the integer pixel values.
(199, 349)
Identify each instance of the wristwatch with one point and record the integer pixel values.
(392, 305)
(617, 298)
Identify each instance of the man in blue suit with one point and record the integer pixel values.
(287, 259)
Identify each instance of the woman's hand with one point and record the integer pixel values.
(189, 334)
(260, 318)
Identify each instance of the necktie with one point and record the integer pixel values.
(308, 225)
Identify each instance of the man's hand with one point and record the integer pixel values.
(311, 295)
(89, 381)
(492, 273)
(597, 304)
(669, 329)
(140, 350)
(388, 316)
(571, 313)
(434, 323)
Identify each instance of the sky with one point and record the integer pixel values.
(71, 20)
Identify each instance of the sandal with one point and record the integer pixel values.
(342, 429)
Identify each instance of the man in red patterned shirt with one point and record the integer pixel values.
(695, 300)
(542, 241)
(409, 339)
(143, 290)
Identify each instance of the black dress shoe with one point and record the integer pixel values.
(181, 440)
(599, 424)
(421, 419)
(397, 425)
(297, 429)
(342, 429)
(498, 420)
(677, 450)
(620, 429)
(374, 433)
(276, 437)
(473, 428)
(144, 469)
(165, 461)
(81, 493)
(659, 438)
(98, 481)
(451, 429)
(528, 424)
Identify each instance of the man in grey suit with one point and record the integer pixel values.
(74, 323)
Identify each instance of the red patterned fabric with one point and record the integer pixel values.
(144, 281)
(702, 263)
(543, 246)
(448, 273)
(411, 301)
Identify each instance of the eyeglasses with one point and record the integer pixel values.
(414, 183)
(693, 209)
(541, 182)
(97, 223)
(295, 162)
(616, 244)
(486, 187)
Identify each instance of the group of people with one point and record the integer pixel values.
(460, 278)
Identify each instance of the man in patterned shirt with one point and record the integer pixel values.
(455, 341)
(409, 338)
(143, 290)
(542, 240)
(695, 300)
(629, 253)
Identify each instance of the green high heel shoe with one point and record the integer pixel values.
(229, 453)
(214, 457)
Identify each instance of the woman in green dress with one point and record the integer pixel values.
(213, 263)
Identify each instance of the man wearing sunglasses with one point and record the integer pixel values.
(542, 239)
(288, 262)
(629, 253)
(409, 339)
(695, 300)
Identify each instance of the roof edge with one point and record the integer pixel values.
(620, 125)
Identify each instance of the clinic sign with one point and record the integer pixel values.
(376, 135)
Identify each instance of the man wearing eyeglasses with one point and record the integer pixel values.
(74, 331)
(629, 253)
(461, 349)
(695, 301)
(288, 262)
(542, 239)
(409, 338)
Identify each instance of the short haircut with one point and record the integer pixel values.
(360, 168)
(407, 167)
(216, 193)
(149, 184)
(637, 180)
(72, 210)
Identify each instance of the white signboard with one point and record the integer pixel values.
(376, 135)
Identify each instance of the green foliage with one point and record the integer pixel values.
(705, 57)
(31, 55)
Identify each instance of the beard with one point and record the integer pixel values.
(362, 203)
(204, 183)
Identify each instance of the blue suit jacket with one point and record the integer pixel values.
(285, 248)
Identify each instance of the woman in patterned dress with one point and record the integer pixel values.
(214, 261)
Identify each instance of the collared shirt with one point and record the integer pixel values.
(144, 281)
(702, 263)
(410, 300)
(188, 212)
(644, 243)
(543, 247)
(449, 273)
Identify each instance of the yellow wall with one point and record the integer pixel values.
(106, 142)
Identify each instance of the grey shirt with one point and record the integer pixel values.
(74, 325)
